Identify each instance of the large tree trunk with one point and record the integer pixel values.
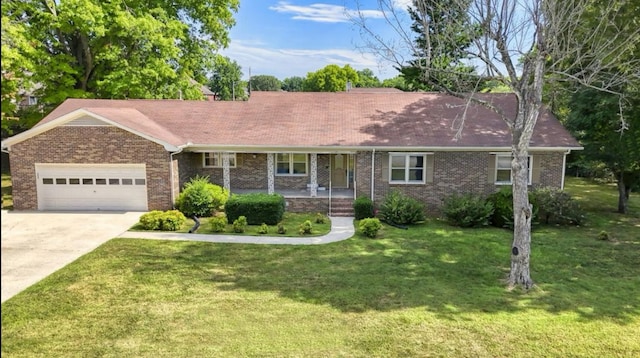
(522, 212)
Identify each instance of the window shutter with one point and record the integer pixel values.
(240, 158)
(429, 168)
(535, 170)
(491, 178)
(385, 167)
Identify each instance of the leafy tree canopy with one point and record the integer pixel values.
(265, 83)
(293, 84)
(226, 80)
(366, 78)
(117, 48)
(331, 78)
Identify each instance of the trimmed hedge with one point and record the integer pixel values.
(363, 208)
(258, 208)
(170, 220)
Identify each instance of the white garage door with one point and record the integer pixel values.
(91, 187)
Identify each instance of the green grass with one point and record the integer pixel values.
(291, 221)
(429, 291)
(7, 196)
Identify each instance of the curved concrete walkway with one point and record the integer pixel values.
(341, 229)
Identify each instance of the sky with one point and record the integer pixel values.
(295, 37)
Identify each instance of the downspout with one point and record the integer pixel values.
(373, 165)
(171, 179)
(564, 168)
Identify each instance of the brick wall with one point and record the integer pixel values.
(453, 172)
(89, 145)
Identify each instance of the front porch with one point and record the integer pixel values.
(338, 202)
(300, 193)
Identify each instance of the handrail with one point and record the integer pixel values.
(330, 197)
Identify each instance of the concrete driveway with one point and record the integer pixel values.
(36, 244)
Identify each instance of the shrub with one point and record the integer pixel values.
(603, 235)
(400, 209)
(219, 223)
(199, 197)
(320, 219)
(170, 220)
(363, 208)
(282, 229)
(305, 228)
(240, 224)
(263, 229)
(502, 201)
(555, 206)
(467, 210)
(258, 208)
(370, 226)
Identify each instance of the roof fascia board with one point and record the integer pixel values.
(201, 148)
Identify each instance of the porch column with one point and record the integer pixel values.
(225, 171)
(271, 182)
(314, 175)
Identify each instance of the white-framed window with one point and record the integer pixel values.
(291, 164)
(214, 160)
(407, 168)
(503, 169)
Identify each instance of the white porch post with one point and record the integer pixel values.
(314, 175)
(270, 174)
(225, 171)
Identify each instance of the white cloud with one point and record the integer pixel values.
(324, 12)
(283, 63)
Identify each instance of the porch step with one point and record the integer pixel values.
(342, 207)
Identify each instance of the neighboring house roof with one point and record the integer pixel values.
(322, 120)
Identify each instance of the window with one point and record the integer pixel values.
(214, 160)
(291, 164)
(407, 168)
(503, 169)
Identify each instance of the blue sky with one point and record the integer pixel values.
(294, 37)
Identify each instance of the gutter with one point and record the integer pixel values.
(373, 165)
(564, 168)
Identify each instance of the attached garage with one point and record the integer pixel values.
(91, 187)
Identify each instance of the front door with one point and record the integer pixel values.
(339, 170)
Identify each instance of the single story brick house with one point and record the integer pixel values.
(320, 150)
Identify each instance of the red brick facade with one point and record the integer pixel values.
(89, 145)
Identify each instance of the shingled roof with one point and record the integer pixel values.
(317, 120)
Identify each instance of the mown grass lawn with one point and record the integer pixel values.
(429, 291)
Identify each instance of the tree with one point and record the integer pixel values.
(522, 43)
(331, 78)
(293, 84)
(120, 49)
(443, 35)
(265, 83)
(226, 80)
(595, 119)
(366, 78)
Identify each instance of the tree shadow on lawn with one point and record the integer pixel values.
(446, 273)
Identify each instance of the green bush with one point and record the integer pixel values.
(467, 210)
(170, 220)
(240, 224)
(282, 229)
(199, 197)
(370, 227)
(258, 208)
(320, 219)
(219, 223)
(502, 201)
(363, 208)
(305, 228)
(263, 229)
(399, 209)
(555, 206)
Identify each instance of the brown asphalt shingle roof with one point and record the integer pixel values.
(307, 119)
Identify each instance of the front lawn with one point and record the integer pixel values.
(429, 291)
